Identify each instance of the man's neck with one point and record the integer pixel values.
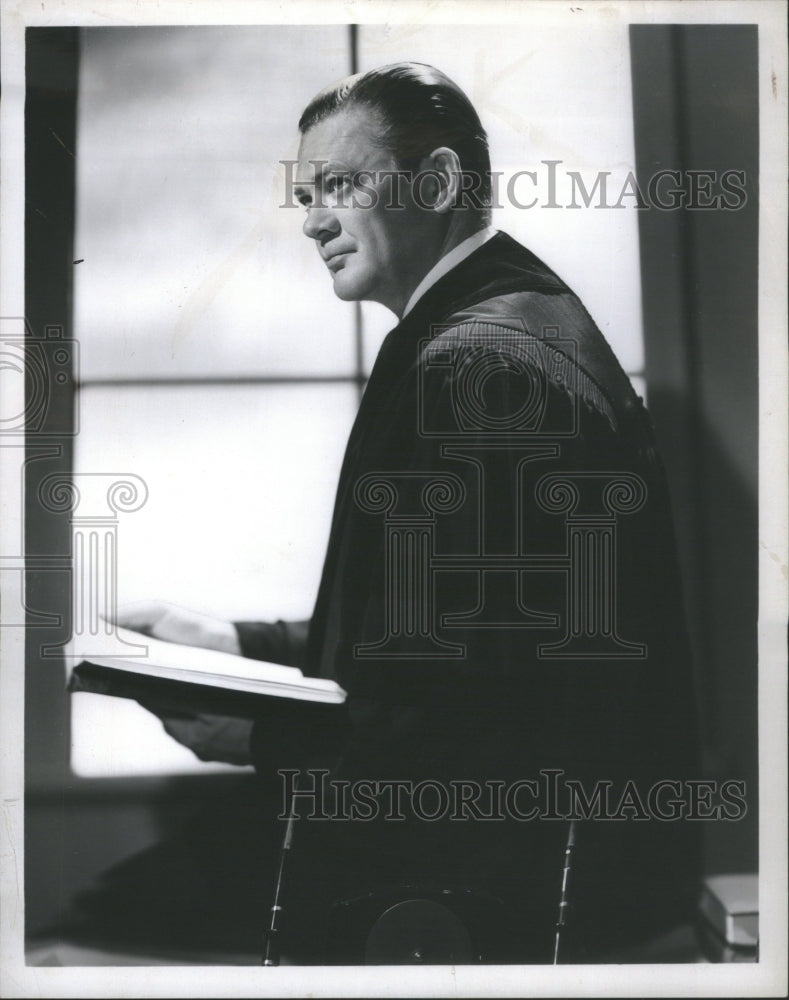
(461, 225)
(463, 245)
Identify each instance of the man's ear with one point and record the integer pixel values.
(444, 167)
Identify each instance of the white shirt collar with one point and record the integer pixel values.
(447, 262)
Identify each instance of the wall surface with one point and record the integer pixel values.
(696, 109)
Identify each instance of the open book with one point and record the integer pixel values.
(187, 677)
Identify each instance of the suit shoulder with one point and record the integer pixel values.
(544, 335)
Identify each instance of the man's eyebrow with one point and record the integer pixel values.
(304, 189)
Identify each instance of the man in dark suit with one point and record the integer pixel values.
(500, 597)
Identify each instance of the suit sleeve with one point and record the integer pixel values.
(289, 734)
(277, 642)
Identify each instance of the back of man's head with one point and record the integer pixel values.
(419, 109)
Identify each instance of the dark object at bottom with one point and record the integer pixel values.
(413, 925)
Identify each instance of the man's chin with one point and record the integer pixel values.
(347, 289)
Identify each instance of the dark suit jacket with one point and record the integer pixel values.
(500, 598)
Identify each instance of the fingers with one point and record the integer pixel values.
(165, 709)
(161, 620)
(188, 731)
(140, 616)
(171, 623)
(212, 737)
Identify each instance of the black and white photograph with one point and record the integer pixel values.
(394, 489)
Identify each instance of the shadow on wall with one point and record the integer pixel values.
(716, 521)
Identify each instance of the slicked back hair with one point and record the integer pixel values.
(419, 109)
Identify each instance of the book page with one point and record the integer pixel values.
(147, 655)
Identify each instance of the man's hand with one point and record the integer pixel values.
(209, 737)
(173, 624)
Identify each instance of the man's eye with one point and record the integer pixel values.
(335, 182)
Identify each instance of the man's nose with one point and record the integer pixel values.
(321, 224)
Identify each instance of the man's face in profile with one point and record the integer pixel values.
(345, 181)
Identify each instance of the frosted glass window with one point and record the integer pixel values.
(547, 94)
(117, 738)
(215, 361)
(377, 321)
(188, 262)
(240, 482)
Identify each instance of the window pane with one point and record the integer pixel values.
(575, 109)
(241, 484)
(377, 321)
(188, 263)
(639, 383)
(117, 738)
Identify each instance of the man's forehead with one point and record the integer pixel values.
(352, 138)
